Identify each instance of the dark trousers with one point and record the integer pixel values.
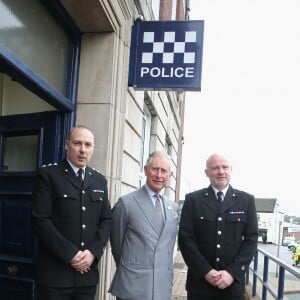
(78, 293)
(200, 297)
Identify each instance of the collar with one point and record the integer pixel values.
(75, 168)
(150, 192)
(224, 191)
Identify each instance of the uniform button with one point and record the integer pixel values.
(219, 219)
(83, 208)
(82, 244)
(239, 219)
(219, 232)
(65, 196)
(83, 192)
(218, 246)
(217, 259)
(83, 226)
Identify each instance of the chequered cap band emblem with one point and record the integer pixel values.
(169, 47)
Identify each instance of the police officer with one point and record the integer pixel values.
(71, 217)
(218, 235)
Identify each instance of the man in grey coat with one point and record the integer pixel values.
(144, 235)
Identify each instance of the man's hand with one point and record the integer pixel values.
(224, 280)
(82, 261)
(212, 277)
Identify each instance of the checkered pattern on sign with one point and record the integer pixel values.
(167, 55)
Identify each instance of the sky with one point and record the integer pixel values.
(249, 105)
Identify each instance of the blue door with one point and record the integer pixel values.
(26, 142)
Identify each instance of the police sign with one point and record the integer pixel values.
(166, 55)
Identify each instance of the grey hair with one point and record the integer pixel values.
(158, 154)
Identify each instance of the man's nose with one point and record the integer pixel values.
(158, 172)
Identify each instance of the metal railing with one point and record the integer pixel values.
(277, 289)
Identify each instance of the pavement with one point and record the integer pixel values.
(180, 271)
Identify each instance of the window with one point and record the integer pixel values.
(20, 153)
(145, 142)
(155, 8)
(42, 49)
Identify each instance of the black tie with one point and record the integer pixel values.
(80, 175)
(220, 197)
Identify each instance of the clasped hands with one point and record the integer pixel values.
(220, 279)
(82, 261)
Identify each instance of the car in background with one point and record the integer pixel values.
(287, 240)
(293, 245)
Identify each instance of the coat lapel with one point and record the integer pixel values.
(210, 199)
(144, 203)
(229, 199)
(88, 178)
(69, 174)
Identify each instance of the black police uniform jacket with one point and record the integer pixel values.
(221, 238)
(67, 218)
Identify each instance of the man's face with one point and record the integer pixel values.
(158, 173)
(80, 147)
(218, 170)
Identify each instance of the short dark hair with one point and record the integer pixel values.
(77, 127)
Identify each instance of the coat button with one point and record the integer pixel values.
(217, 259)
(219, 232)
(219, 219)
(65, 196)
(218, 246)
(83, 208)
(82, 244)
(83, 192)
(83, 226)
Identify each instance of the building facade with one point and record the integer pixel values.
(65, 63)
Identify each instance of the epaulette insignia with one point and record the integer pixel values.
(49, 165)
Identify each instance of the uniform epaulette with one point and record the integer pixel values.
(49, 165)
(96, 170)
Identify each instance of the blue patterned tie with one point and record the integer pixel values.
(159, 209)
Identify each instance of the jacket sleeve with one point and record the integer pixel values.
(196, 262)
(120, 220)
(42, 225)
(104, 226)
